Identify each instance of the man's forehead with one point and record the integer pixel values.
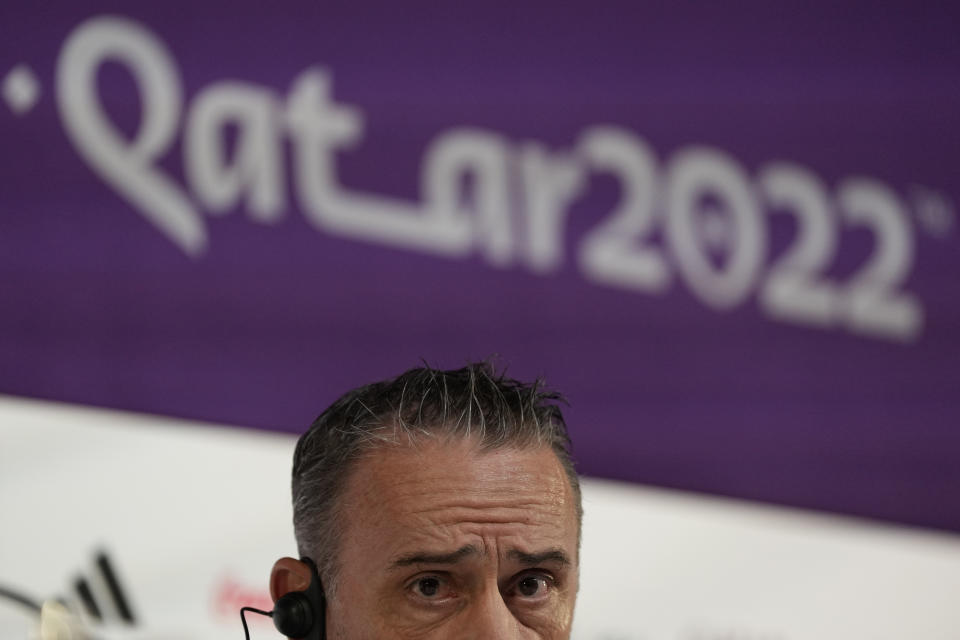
(444, 488)
(437, 465)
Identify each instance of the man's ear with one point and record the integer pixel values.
(288, 575)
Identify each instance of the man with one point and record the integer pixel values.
(438, 505)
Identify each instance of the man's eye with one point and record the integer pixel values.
(532, 586)
(431, 587)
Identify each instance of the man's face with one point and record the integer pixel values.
(445, 541)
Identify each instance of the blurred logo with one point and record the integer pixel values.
(230, 594)
(95, 599)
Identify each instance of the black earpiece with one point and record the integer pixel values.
(293, 616)
(298, 614)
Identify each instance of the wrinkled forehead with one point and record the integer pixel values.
(436, 461)
(456, 485)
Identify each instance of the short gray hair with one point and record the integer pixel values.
(473, 402)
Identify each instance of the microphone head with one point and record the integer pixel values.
(57, 623)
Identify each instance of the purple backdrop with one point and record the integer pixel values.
(268, 320)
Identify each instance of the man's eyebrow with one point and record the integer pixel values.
(539, 557)
(428, 557)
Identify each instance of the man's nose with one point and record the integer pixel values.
(491, 619)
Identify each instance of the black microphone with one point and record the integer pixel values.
(298, 614)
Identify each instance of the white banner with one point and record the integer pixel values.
(191, 517)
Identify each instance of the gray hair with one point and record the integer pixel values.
(473, 402)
